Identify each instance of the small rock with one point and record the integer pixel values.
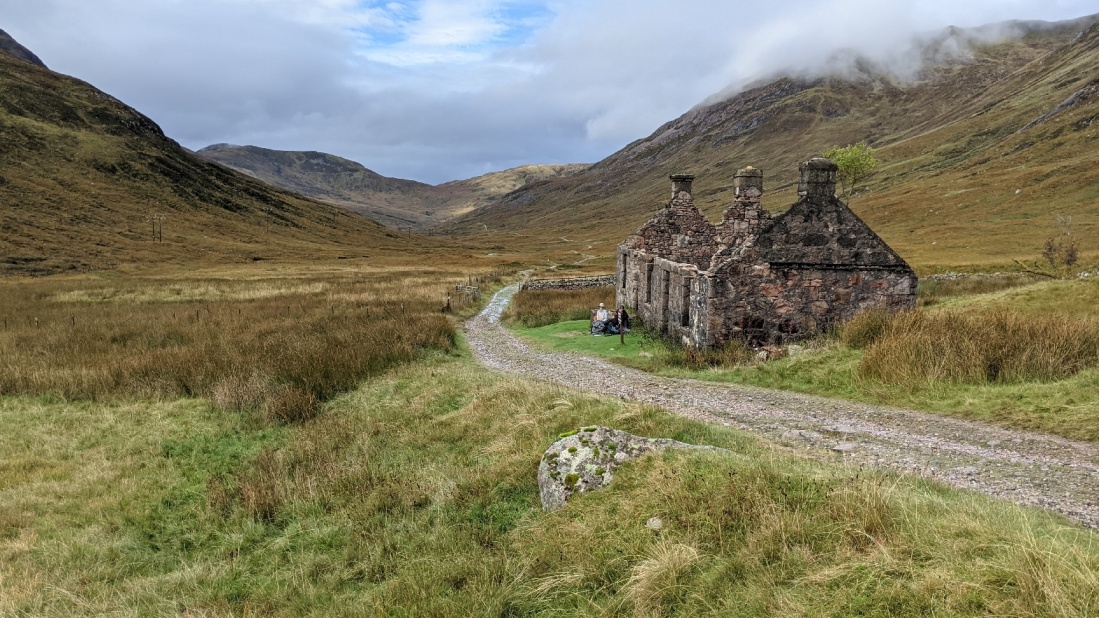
(994, 443)
(840, 429)
(967, 470)
(801, 434)
(654, 523)
(845, 447)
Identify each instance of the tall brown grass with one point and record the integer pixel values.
(933, 291)
(279, 351)
(533, 308)
(966, 347)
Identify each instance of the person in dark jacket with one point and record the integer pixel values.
(620, 321)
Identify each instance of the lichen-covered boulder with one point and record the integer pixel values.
(587, 459)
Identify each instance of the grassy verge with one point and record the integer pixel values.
(1064, 402)
(415, 495)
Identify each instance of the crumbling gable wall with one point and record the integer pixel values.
(814, 266)
(765, 280)
(655, 262)
(678, 232)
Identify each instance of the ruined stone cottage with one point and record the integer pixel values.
(759, 278)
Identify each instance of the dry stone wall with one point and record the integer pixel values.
(575, 283)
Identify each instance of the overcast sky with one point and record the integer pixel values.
(434, 90)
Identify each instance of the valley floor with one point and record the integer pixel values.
(1027, 468)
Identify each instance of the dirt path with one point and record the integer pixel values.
(1027, 468)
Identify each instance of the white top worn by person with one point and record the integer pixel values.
(601, 314)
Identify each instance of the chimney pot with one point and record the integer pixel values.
(681, 183)
(747, 177)
(817, 178)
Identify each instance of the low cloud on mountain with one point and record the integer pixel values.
(433, 91)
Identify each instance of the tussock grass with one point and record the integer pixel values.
(934, 291)
(416, 495)
(276, 348)
(533, 308)
(865, 328)
(656, 582)
(999, 346)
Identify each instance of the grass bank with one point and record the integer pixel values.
(415, 495)
(1022, 356)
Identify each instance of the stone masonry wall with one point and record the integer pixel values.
(679, 231)
(761, 279)
(766, 304)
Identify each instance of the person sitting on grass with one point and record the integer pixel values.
(619, 320)
(599, 320)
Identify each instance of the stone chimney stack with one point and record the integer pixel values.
(817, 178)
(744, 219)
(681, 183)
(748, 184)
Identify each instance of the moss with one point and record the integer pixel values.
(572, 449)
(600, 471)
(593, 428)
(596, 452)
(571, 480)
(567, 434)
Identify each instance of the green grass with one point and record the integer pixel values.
(1065, 407)
(415, 495)
(1078, 298)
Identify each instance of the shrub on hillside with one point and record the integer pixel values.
(996, 346)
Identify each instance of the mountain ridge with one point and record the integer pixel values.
(88, 183)
(396, 202)
(929, 134)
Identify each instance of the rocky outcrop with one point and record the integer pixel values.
(586, 460)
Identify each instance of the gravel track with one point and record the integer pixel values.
(1027, 468)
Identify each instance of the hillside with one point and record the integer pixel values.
(82, 177)
(395, 202)
(954, 145)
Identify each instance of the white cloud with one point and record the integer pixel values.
(438, 90)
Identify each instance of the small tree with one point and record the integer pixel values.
(853, 162)
(1060, 253)
(1061, 249)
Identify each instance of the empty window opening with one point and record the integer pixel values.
(649, 283)
(685, 303)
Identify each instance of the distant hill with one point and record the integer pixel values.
(979, 153)
(395, 202)
(83, 175)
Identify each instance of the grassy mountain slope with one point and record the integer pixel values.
(81, 174)
(391, 201)
(954, 146)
